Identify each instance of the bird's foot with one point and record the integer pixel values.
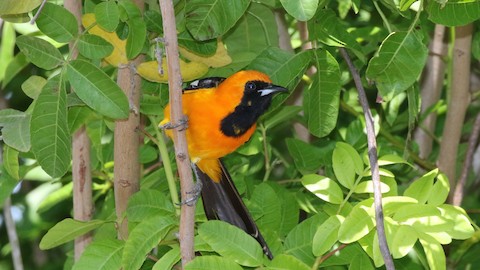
(193, 195)
(181, 125)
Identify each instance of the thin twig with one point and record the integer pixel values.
(372, 154)
(472, 142)
(32, 21)
(320, 260)
(12, 235)
(187, 216)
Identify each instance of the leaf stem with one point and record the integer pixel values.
(382, 15)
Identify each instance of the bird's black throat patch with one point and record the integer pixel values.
(251, 107)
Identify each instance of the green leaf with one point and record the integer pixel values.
(15, 66)
(78, 116)
(146, 203)
(404, 239)
(299, 241)
(211, 262)
(208, 20)
(440, 190)
(137, 29)
(453, 12)
(240, 39)
(40, 52)
(10, 161)
(51, 140)
(107, 15)
(93, 46)
(367, 187)
(55, 197)
(17, 7)
(421, 188)
(398, 63)
(168, 260)
(266, 206)
(391, 159)
(143, 238)
(323, 187)
(7, 50)
(284, 114)
(434, 253)
(361, 262)
(154, 23)
(57, 22)
(346, 163)
(97, 89)
(289, 209)
(203, 48)
(392, 203)
(7, 184)
(326, 235)
(287, 262)
(15, 129)
(321, 100)
(67, 230)
(231, 242)
(105, 254)
(283, 68)
(463, 228)
(302, 10)
(307, 158)
(32, 87)
(358, 223)
(330, 30)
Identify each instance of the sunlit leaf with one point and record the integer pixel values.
(326, 235)
(453, 12)
(107, 15)
(67, 230)
(323, 187)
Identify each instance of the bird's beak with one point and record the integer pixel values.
(272, 89)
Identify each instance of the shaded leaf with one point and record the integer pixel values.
(211, 262)
(302, 10)
(40, 52)
(207, 20)
(143, 238)
(57, 22)
(398, 63)
(287, 262)
(307, 158)
(15, 129)
(231, 242)
(107, 15)
(97, 89)
(453, 12)
(326, 235)
(51, 140)
(146, 203)
(105, 254)
(94, 47)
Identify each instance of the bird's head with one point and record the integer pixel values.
(251, 92)
(251, 89)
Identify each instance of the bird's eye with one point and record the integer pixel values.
(250, 86)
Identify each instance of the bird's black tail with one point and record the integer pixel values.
(221, 201)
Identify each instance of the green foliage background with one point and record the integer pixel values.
(308, 198)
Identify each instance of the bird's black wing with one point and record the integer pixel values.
(222, 201)
(204, 83)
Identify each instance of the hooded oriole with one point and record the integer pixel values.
(222, 115)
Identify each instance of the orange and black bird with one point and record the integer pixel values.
(222, 115)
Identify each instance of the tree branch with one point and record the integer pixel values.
(372, 154)
(187, 216)
(127, 141)
(458, 102)
(432, 84)
(12, 235)
(81, 173)
(472, 142)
